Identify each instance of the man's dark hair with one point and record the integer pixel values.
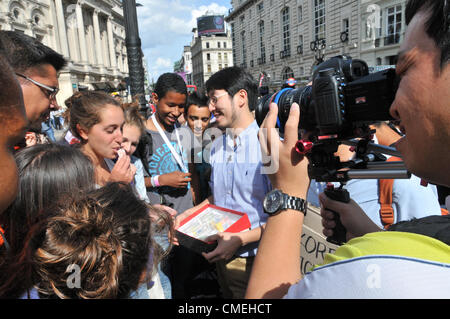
(232, 80)
(437, 25)
(170, 82)
(196, 99)
(435, 226)
(24, 52)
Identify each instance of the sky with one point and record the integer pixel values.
(165, 27)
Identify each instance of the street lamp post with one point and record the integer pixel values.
(134, 53)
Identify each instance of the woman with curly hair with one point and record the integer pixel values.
(93, 245)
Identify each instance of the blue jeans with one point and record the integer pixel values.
(47, 130)
(163, 241)
(140, 293)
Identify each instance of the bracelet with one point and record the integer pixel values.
(152, 181)
(155, 181)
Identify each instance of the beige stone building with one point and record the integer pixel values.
(89, 34)
(281, 39)
(210, 53)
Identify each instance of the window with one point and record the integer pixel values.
(207, 45)
(260, 7)
(287, 73)
(272, 30)
(393, 25)
(218, 45)
(302, 70)
(244, 50)
(16, 13)
(225, 57)
(345, 25)
(319, 19)
(209, 68)
(345, 35)
(219, 56)
(286, 31)
(300, 14)
(224, 45)
(300, 44)
(208, 56)
(262, 47)
(391, 60)
(233, 41)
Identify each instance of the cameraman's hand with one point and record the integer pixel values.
(290, 174)
(355, 221)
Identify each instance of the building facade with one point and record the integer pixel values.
(210, 53)
(89, 34)
(281, 39)
(186, 62)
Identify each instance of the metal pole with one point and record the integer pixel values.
(134, 53)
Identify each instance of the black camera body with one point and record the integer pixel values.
(343, 100)
(343, 97)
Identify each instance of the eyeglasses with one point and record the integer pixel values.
(213, 99)
(51, 90)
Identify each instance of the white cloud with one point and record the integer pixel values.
(161, 62)
(165, 26)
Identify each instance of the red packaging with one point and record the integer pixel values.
(209, 220)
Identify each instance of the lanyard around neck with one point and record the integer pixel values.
(166, 140)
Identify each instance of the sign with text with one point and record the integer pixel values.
(314, 245)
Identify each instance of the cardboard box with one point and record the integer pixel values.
(207, 221)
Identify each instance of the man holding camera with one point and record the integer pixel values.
(380, 264)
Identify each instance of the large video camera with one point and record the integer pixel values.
(343, 100)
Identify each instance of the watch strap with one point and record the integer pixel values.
(296, 203)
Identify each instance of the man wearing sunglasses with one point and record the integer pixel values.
(36, 67)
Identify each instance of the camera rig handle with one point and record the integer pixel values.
(339, 236)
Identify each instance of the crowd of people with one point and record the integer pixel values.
(94, 214)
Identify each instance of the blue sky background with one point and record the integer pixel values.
(165, 27)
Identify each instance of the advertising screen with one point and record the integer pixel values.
(210, 25)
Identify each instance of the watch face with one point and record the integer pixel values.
(272, 202)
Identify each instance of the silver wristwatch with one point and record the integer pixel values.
(276, 201)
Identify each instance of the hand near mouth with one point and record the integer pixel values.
(123, 171)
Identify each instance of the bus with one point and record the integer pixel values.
(191, 88)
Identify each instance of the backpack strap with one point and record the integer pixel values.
(3, 242)
(385, 188)
(2, 236)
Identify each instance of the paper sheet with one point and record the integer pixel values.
(209, 222)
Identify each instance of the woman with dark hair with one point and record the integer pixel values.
(91, 245)
(46, 171)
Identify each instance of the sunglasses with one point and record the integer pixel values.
(51, 90)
